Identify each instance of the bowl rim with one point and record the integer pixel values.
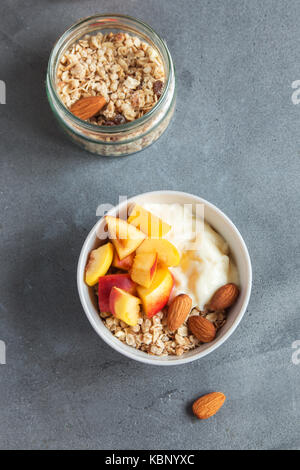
(147, 359)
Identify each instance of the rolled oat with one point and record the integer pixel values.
(155, 338)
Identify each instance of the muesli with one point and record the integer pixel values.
(127, 72)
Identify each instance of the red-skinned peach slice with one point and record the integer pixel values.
(147, 222)
(98, 263)
(125, 237)
(144, 268)
(106, 283)
(157, 295)
(124, 264)
(124, 306)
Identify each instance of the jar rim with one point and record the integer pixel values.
(56, 54)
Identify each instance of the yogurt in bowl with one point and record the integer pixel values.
(210, 257)
(205, 263)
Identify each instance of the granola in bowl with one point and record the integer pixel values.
(159, 288)
(153, 336)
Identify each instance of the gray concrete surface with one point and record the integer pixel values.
(235, 140)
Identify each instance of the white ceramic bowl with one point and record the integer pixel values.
(238, 249)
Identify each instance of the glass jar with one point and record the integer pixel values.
(121, 139)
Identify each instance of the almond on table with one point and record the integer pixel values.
(208, 405)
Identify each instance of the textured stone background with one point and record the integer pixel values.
(235, 140)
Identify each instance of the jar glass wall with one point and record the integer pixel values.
(121, 139)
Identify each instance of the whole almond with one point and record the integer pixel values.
(208, 405)
(224, 297)
(178, 310)
(203, 329)
(85, 108)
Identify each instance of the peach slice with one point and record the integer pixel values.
(144, 268)
(166, 251)
(125, 237)
(147, 222)
(125, 264)
(124, 306)
(106, 283)
(157, 295)
(98, 263)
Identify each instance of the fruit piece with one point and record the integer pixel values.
(124, 306)
(106, 283)
(208, 405)
(125, 263)
(167, 253)
(157, 295)
(85, 108)
(178, 310)
(149, 223)
(224, 297)
(98, 263)
(202, 328)
(144, 268)
(125, 237)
